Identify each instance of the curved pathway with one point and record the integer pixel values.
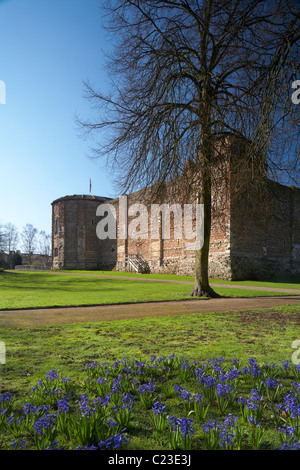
(97, 313)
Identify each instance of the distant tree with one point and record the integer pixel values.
(186, 74)
(29, 239)
(15, 260)
(2, 239)
(45, 246)
(11, 237)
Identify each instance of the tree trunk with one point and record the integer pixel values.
(201, 286)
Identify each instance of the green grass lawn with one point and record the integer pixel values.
(266, 334)
(32, 353)
(290, 282)
(36, 289)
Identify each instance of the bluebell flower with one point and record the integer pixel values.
(44, 423)
(29, 408)
(296, 386)
(149, 387)
(5, 397)
(51, 375)
(63, 405)
(288, 430)
(209, 381)
(230, 420)
(84, 407)
(285, 365)
(184, 425)
(223, 390)
(183, 393)
(198, 397)
(53, 446)
(21, 444)
(294, 446)
(112, 423)
(113, 442)
(158, 408)
(233, 374)
(252, 421)
(271, 383)
(209, 426)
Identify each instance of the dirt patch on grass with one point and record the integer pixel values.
(264, 317)
(269, 315)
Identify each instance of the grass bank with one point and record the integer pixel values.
(38, 357)
(36, 290)
(267, 334)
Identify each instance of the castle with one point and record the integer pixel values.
(245, 243)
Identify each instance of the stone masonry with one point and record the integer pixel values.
(247, 241)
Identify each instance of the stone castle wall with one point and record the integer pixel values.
(173, 255)
(75, 244)
(247, 241)
(266, 241)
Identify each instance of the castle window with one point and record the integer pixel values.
(57, 225)
(55, 251)
(92, 222)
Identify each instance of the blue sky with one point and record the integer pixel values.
(47, 49)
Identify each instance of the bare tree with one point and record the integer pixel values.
(11, 238)
(45, 246)
(29, 239)
(186, 74)
(2, 239)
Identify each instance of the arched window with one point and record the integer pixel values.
(57, 225)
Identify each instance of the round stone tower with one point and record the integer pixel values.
(75, 244)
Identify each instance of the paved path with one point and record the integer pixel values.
(68, 315)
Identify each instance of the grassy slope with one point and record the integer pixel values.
(31, 352)
(34, 289)
(292, 282)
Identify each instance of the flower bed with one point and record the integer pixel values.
(164, 403)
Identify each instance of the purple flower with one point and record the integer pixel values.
(230, 420)
(294, 446)
(5, 397)
(183, 393)
(209, 426)
(113, 442)
(184, 425)
(223, 390)
(63, 405)
(288, 430)
(149, 387)
(209, 381)
(252, 421)
(21, 444)
(271, 383)
(51, 375)
(158, 408)
(285, 365)
(44, 423)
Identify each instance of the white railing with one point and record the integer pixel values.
(29, 267)
(138, 263)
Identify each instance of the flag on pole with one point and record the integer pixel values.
(90, 185)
